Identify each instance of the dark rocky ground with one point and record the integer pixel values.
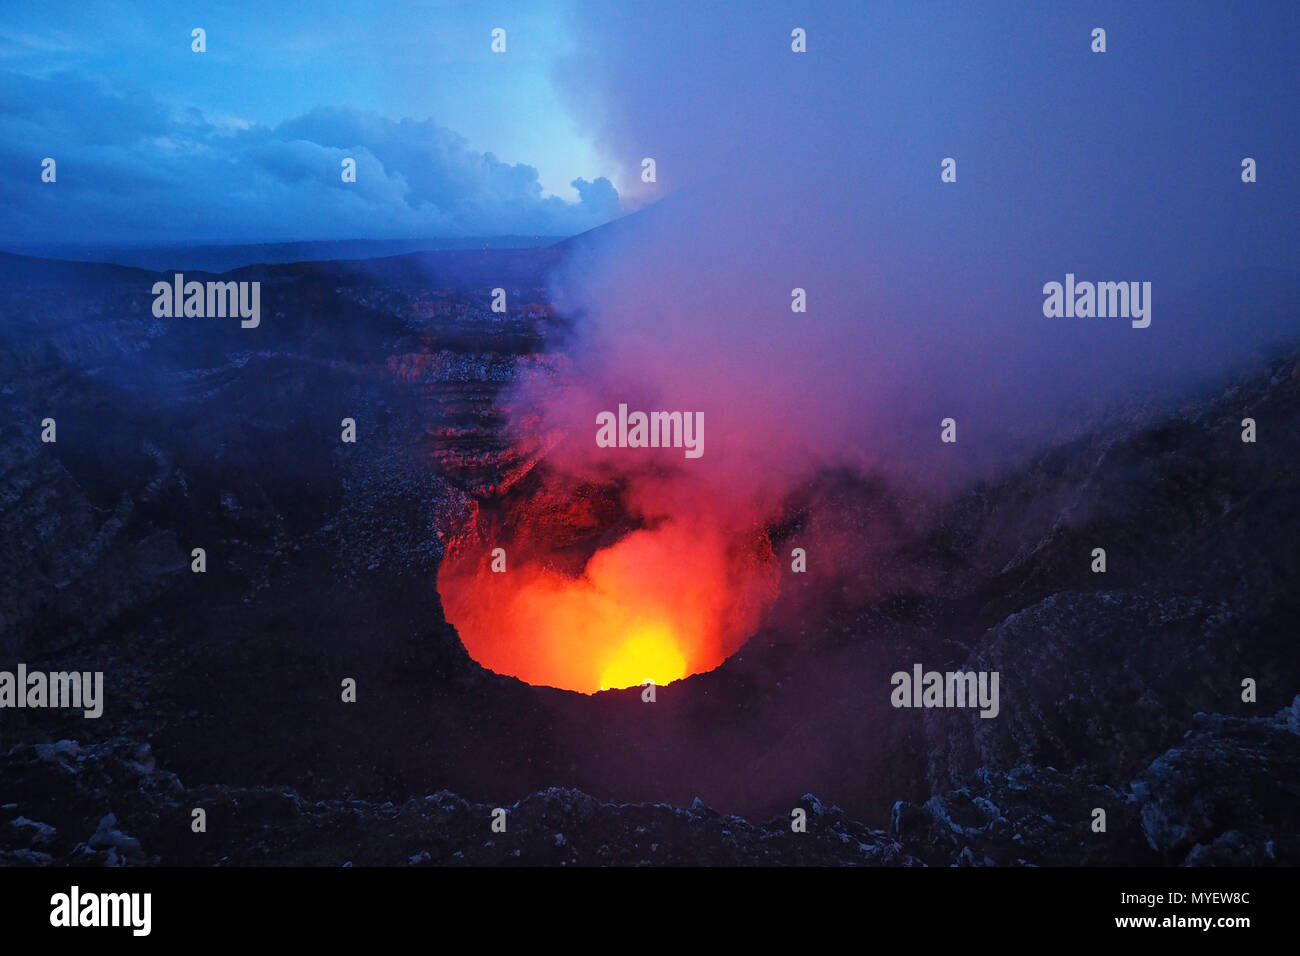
(1120, 691)
(1226, 795)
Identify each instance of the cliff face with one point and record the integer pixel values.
(322, 560)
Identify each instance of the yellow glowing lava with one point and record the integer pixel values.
(649, 655)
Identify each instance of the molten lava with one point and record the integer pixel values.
(651, 655)
(658, 604)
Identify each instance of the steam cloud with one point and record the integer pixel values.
(924, 298)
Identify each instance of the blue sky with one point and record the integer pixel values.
(398, 59)
(114, 93)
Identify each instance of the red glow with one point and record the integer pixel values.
(659, 604)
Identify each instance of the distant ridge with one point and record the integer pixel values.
(450, 268)
(215, 257)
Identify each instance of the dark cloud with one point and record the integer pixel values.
(70, 110)
(129, 170)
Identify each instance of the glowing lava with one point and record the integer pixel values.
(658, 604)
(649, 656)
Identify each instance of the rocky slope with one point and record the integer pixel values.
(322, 560)
(1225, 796)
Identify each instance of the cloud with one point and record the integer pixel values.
(73, 110)
(128, 169)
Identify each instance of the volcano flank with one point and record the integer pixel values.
(373, 562)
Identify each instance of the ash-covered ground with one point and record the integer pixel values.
(1120, 691)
